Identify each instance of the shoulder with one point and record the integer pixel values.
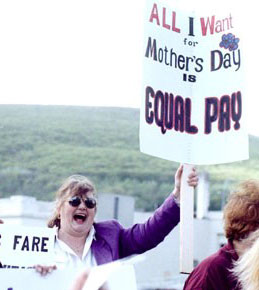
(106, 227)
(210, 271)
(211, 264)
(215, 262)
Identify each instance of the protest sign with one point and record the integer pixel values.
(117, 275)
(29, 279)
(193, 89)
(24, 246)
(193, 95)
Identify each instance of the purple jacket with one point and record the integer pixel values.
(115, 242)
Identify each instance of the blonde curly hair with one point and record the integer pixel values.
(246, 268)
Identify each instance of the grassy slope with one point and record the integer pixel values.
(42, 145)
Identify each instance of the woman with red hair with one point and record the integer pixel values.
(241, 217)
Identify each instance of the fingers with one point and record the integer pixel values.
(44, 270)
(193, 178)
(179, 172)
(178, 176)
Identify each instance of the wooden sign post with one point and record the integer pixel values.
(186, 222)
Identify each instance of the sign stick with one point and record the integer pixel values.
(186, 222)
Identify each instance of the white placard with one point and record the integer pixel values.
(26, 246)
(193, 86)
(29, 279)
(117, 275)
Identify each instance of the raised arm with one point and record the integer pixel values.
(143, 237)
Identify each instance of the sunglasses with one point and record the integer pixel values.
(75, 201)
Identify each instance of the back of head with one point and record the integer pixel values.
(241, 213)
(246, 269)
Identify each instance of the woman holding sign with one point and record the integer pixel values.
(83, 242)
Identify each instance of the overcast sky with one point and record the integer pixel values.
(87, 53)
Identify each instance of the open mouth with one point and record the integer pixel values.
(80, 218)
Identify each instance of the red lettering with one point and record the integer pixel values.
(174, 28)
(154, 14)
(167, 26)
(209, 24)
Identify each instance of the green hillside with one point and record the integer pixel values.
(42, 145)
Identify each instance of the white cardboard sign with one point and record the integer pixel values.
(26, 246)
(193, 86)
(116, 276)
(28, 279)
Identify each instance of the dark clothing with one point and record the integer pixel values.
(113, 242)
(213, 272)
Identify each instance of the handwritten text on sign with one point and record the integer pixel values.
(192, 100)
(26, 246)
